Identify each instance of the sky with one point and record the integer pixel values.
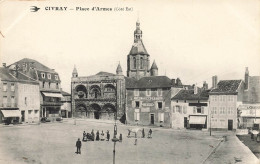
(190, 40)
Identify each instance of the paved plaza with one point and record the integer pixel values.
(55, 143)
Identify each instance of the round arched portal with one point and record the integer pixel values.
(96, 110)
(109, 111)
(81, 110)
(81, 91)
(95, 91)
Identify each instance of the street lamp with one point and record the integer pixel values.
(115, 140)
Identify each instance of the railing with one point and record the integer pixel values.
(47, 103)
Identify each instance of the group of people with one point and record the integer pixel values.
(149, 133)
(97, 137)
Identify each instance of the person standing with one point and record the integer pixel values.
(108, 136)
(143, 133)
(150, 133)
(93, 135)
(97, 138)
(78, 145)
(120, 138)
(102, 138)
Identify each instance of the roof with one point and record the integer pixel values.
(154, 66)
(189, 95)
(119, 68)
(149, 82)
(138, 48)
(101, 73)
(39, 66)
(74, 70)
(226, 87)
(6, 74)
(64, 93)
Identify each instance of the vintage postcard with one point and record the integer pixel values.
(126, 81)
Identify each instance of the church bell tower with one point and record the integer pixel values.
(138, 60)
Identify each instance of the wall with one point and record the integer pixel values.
(148, 105)
(32, 105)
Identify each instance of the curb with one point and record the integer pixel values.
(214, 150)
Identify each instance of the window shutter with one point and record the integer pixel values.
(135, 117)
(173, 109)
(133, 104)
(163, 105)
(156, 104)
(159, 117)
(140, 104)
(202, 110)
(162, 117)
(138, 116)
(194, 110)
(180, 109)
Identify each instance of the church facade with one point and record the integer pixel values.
(99, 96)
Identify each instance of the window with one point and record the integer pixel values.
(29, 111)
(224, 98)
(137, 104)
(137, 116)
(12, 86)
(220, 98)
(49, 76)
(159, 105)
(25, 100)
(214, 110)
(5, 101)
(141, 63)
(134, 60)
(57, 85)
(56, 77)
(43, 83)
(159, 92)
(136, 92)
(198, 109)
(43, 75)
(12, 101)
(160, 117)
(148, 92)
(5, 87)
(49, 84)
(184, 109)
(36, 111)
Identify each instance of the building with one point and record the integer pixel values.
(190, 109)
(100, 96)
(249, 111)
(148, 100)
(224, 101)
(49, 83)
(138, 59)
(19, 99)
(66, 107)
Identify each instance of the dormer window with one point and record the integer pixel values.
(43, 75)
(56, 77)
(49, 76)
(148, 92)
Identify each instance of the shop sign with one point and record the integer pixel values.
(148, 98)
(147, 104)
(249, 107)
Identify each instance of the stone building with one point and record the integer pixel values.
(49, 83)
(190, 109)
(224, 101)
(100, 96)
(66, 105)
(19, 97)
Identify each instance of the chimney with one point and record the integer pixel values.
(173, 82)
(4, 65)
(205, 85)
(195, 89)
(246, 78)
(214, 81)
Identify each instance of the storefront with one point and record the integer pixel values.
(249, 116)
(11, 116)
(197, 122)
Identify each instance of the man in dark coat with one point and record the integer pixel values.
(97, 138)
(143, 133)
(108, 135)
(78, 145)
(93, 135)
(150, 133)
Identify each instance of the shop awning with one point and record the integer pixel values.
(197, 120)
(11, 113)
(48, 94)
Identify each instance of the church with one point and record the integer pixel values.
(132, 99)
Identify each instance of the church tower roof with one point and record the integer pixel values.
(119, 70)
(138, 46)
(75, 70)
(154, 66)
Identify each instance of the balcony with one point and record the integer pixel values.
(8, 105)
(50, 103)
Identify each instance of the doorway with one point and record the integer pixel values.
(230, 124)
(97, 115)
(23, 112)
(152, 118)
(185, 122)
